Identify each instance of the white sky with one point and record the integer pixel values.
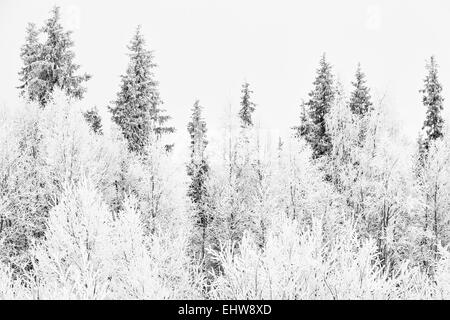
(205, 49)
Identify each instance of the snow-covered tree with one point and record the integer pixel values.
(360, 103)
(73, 262)
(360, 100)
(137, 109)
(432, 99)
(151, 267)
(73, 150)
(431, 219)
(92, 209)
(432, 182)
(93, 118)
(50, 64)
(247, 106)
(313, 126)
(31, 88)
(197, 170)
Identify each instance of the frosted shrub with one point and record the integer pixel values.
(298, 264)
(288, 268)
(73, 260)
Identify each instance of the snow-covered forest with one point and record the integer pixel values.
(95, 207)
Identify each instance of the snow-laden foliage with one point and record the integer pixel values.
(50, 65)
(89, 253)
(85, 218)
(73, 260)
(137, 109)
(298, 264)
(90, 209)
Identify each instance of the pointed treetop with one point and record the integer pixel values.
(137, 43)
(197, 124)
(138, 105)
(313, 125)
(50, 64)
(54, 28)
(197, 131)
(323, 91)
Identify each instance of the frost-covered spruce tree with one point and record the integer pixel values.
(152, 266)
(313, 128)
(432, 99)
(360, 103)
(247, 106)
(197, 170)
(427, 170)
(31, 53)
(243, 147)
(137, 108)
(50, 64)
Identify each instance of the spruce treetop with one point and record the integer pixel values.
(313, 126)
(247, 106)
(360, 103)
(58, 57)
(322, 95)
(197, 131)
(51, 63)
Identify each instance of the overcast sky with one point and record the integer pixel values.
(205, 49)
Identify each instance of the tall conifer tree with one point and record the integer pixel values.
(313, 126)
(360, 103)
(50, 64)
(432, 99)
(198, 169)
(137, 107)
(247, 106)
(429, 168)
